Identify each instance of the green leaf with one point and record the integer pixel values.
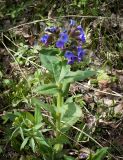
(72, 98)
(79, 75)
(49, 89)
(100, 154)
(59, 69)
(62, 139)
(24, 143)
(64, 71)
(41, 141)
(21, 133)
(45, 106)
(84, 2)
(65, 88)
(70, 115)
(32, 144)
(68, 158)
(71, 77)
(29, 116)
(38, 115)
(8, 116)
(14, 133)
(38, 126)
(48, 57)
(39, 103)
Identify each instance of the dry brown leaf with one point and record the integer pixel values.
(119, 108)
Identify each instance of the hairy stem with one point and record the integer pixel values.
(58, 113)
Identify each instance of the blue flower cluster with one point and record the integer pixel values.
(65, 40)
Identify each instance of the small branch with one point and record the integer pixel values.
(97, 90)
(75, 16)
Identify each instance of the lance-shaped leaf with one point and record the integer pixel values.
(48, 89)
(40, 104)
(40, 140)
(24, 143)
(71, 77)
(79, 75)
(70, 115)
(32, 144)
(48, 57)
(64, 71)
(99, 155)
(61, 70)
(50, 60)
(37, 114)
(68, 157)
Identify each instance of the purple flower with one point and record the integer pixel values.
(44, 38)
(64, 37)
(70, 57)
(72, 23)
(80, 28)
(82, 34)
(82, 38)
(60, 44)
(51, 29)
(80, 53)
(83, 155)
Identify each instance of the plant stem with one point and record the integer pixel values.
(58, 147)
(58, 113)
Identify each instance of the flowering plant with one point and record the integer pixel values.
(61, 48)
